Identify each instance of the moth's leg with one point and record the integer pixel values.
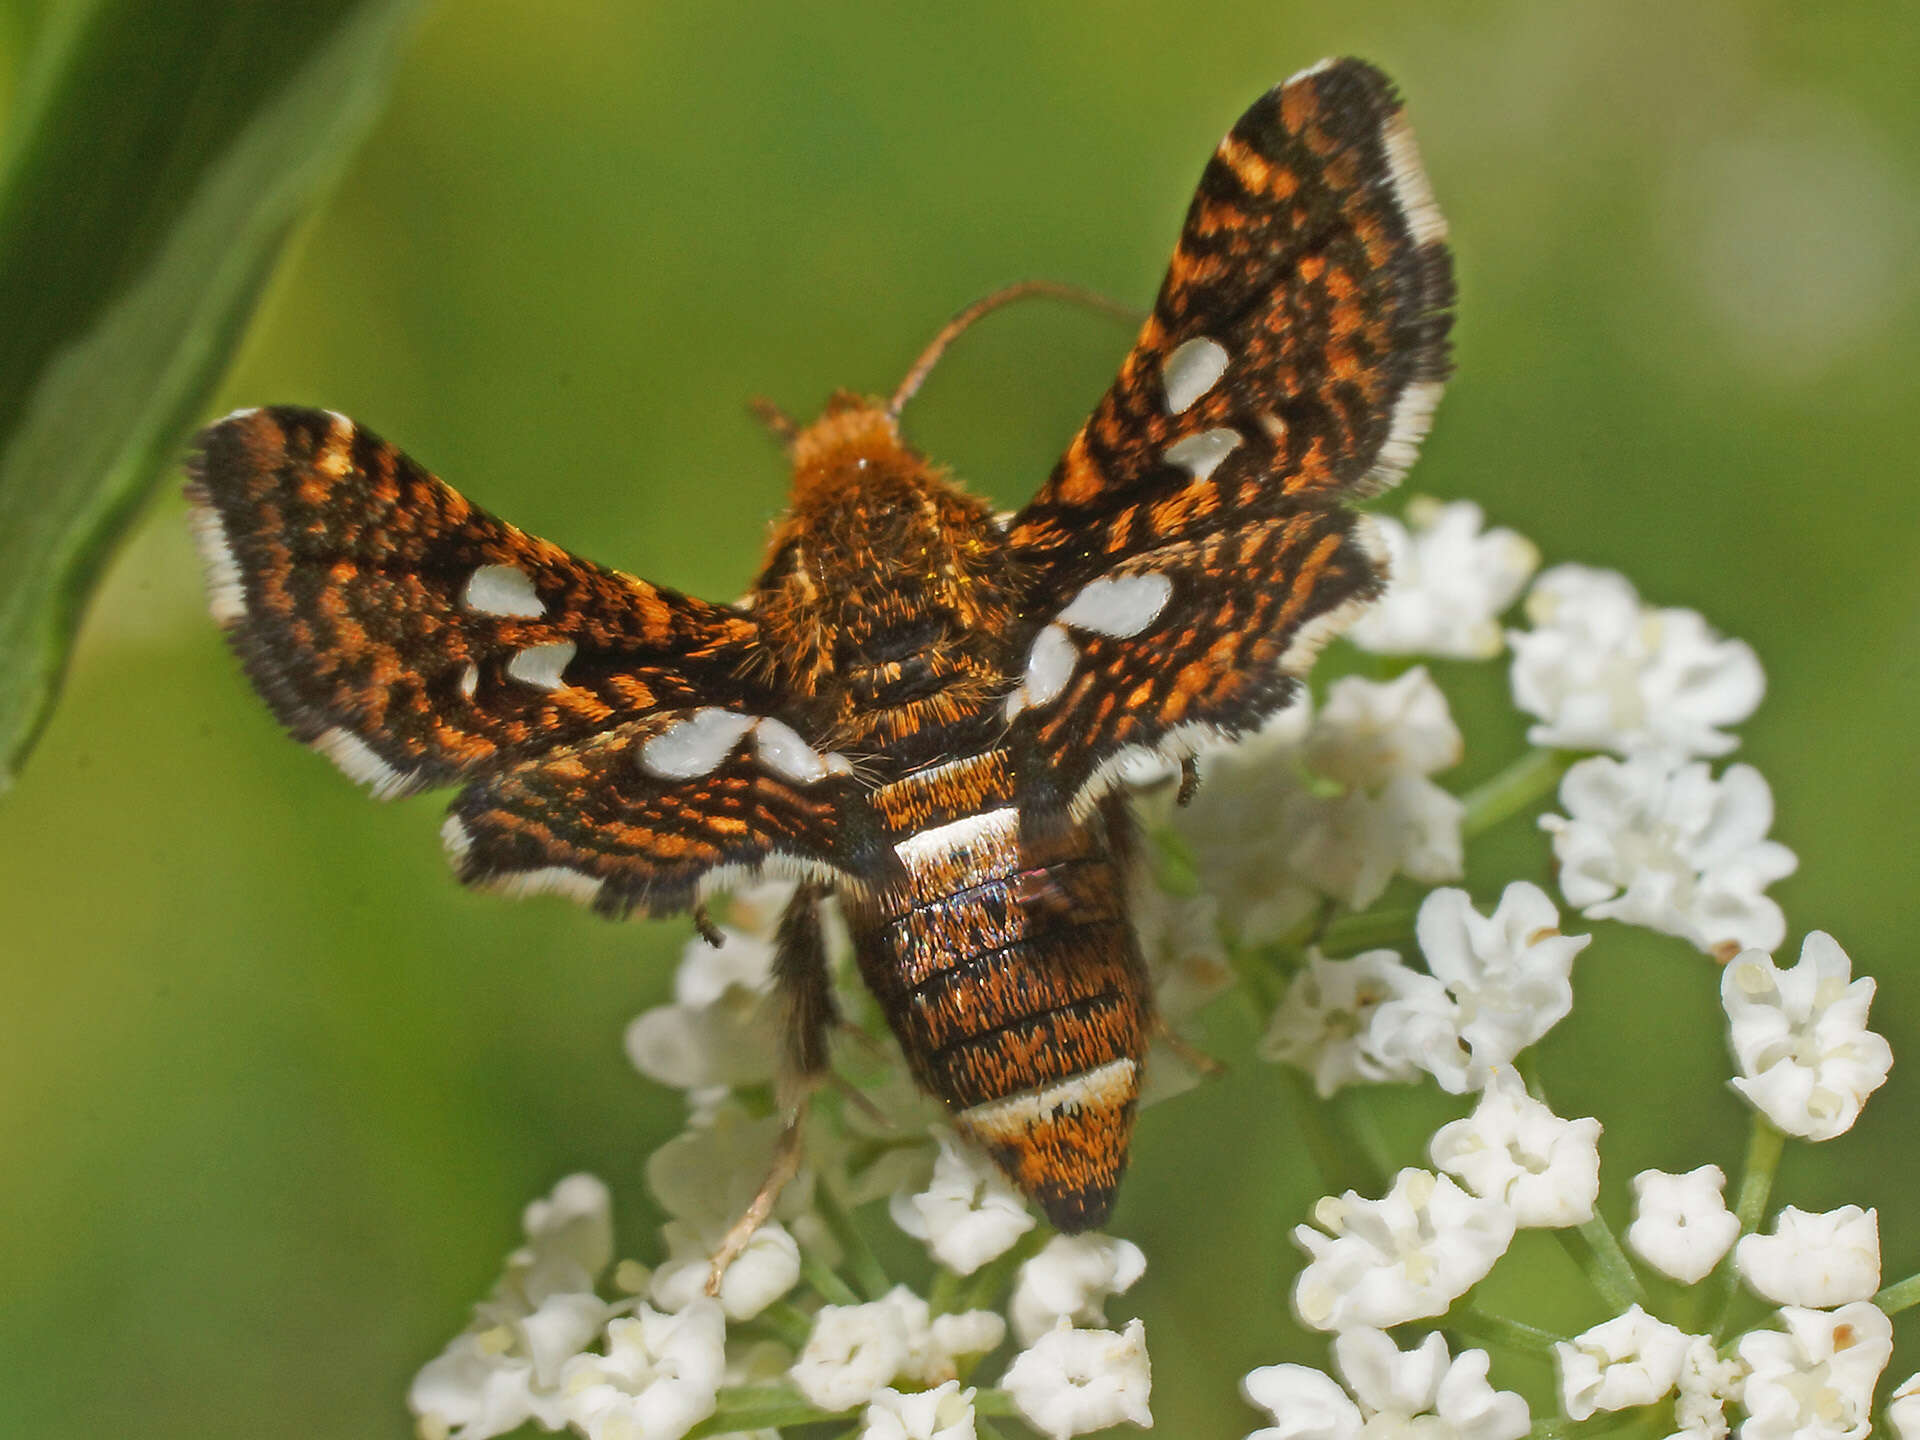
(1189, 781)
(1183, 1050)
(703, 922)
(804, 990)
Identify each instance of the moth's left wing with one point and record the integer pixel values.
(1193, 548)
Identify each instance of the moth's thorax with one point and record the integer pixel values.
(889, 594)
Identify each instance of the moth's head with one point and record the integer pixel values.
(853, 433)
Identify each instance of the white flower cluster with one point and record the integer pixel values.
(1653, 837)
(549, 1348)
(1650, 835)
(1808, 1065)
(1493, 985)
(1332, 804)
(1319, 861)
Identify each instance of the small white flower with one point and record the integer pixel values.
(723, 1027)
(1306, 1404)
(1632, 1359)
(767, 1269)
(942, 1413)
(1071, 1381)
(1603, 672)
(1815, 1379)
(852, 1352)
(1263, 835)
(1667, 846)
(1515, 1150)
(1181, 943)
(1807, 1060)
(1418, 1392)
(1238, 828)
(968, 1214)
(1360, 1021)
(1450, 582)
(1371, 731)
(1706, 1384)
(1350, 846)
(1072, 1278)
(1903, 1409)
(1407, 1255)
(505, 1368)
(709, 1174)
(938, 1345)
(480, 1386)
(1399, 1387)
(659, 1378)
(1508, 972)
(1681, 1224)
(1816, 1260)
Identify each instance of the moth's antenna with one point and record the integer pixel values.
(949, 332)
(774, 418)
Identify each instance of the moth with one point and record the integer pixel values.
(920, 708)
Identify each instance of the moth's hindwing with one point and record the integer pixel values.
(1192, 547)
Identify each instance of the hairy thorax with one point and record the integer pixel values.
(889, 597)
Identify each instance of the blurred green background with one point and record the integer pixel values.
(273, 1090)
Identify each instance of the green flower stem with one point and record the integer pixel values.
(1489, 1330)
(1899, 1295)
(1528, 779)
(1368, 930)
(990, 1280)
(1260, 985)
(983, 1430)
(827, 1285)
(1764, 1147)
(994, 1402)
(1342, 1166)
(788, 1322)
(868, 1273)
(758, 1407)
(945, 1291)
(1593, 1244)
(1607, 1268)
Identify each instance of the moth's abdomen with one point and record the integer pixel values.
(1013, 982)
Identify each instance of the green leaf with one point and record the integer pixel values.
(160, 154)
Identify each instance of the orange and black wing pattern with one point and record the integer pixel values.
(416, 640)
(590, 820)
(1291, 363)
(413, 637)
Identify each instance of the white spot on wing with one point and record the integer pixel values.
(1410, 184)
(695, 745)
(1317, 68)
(549, 880)
(359, 763)
(1120, 605)
(470, 681)
(1192, 370)
(1200, 455)
(1311, 638)
(1049, 666)
(503, 590)
(969, 833)
(1411, 419)
(456, 837)
(226, 593)
(1013, 1116)
(541, 665)
(778, 746)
